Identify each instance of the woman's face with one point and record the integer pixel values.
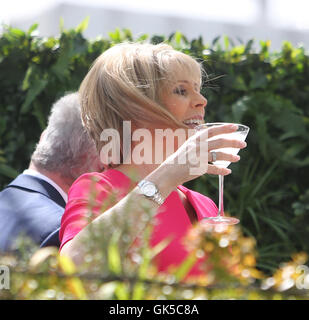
(184, 100)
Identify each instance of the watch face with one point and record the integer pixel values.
(149, 190)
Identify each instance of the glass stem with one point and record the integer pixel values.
(221, 207)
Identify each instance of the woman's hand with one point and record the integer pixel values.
(191, 159)
(175, 170)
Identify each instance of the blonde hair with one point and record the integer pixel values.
(126, 83)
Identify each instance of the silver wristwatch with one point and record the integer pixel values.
(150, 190)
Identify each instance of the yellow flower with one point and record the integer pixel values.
(249, 260)
(256, 274)
(209, 246)
(300, 258)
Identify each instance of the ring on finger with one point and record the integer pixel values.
(213, 156)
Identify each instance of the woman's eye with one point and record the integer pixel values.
(180, 91)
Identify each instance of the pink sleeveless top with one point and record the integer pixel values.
(171, 219)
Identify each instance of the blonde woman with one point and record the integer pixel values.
(148, 88)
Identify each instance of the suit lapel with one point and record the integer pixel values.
(27, 182)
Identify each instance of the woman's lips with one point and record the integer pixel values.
(193, 122)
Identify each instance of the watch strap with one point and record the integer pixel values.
(157, 197)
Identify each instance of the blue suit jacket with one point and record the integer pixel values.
(33, 207)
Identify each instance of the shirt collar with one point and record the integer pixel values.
(37, 174)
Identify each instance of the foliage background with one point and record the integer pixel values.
(268, 91)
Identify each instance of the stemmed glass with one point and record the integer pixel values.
(240, 134)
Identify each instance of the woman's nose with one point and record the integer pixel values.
(200, 101)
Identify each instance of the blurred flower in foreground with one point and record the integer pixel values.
(228, 260)
(229, 255)
(290, 274)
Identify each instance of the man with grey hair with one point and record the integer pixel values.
(34, 202)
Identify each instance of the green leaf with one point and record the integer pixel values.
(160, 246)
(261, 182)
(157, 39)
(294, 150)
(185, 266)
(83, 25)
(178, 37)
(138, 291)
(236, 83)
(122, 291)
(8, 171)
(215, 40)
(26, 81)
(254, 218)
(32, 28)
(258, 81)
(114, 259)
(248, 46)
(226, 42)
(17, 32)
(61, 25)
(142, 38)
(37, 87)
(115, 36)
(39, 114)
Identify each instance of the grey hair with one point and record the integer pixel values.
(65, 146)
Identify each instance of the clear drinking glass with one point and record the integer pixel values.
(240, 134)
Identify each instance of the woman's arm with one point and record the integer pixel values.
(119, 214)
(166, 177)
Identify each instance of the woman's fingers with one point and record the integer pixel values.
(224, 156)
(194, 155)
(212, 169)
(225, 143)
(216, 130)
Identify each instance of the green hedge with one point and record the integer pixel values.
(268, 91)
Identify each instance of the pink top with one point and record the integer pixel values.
(172, 217)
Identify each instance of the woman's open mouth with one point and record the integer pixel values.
(192, 123)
